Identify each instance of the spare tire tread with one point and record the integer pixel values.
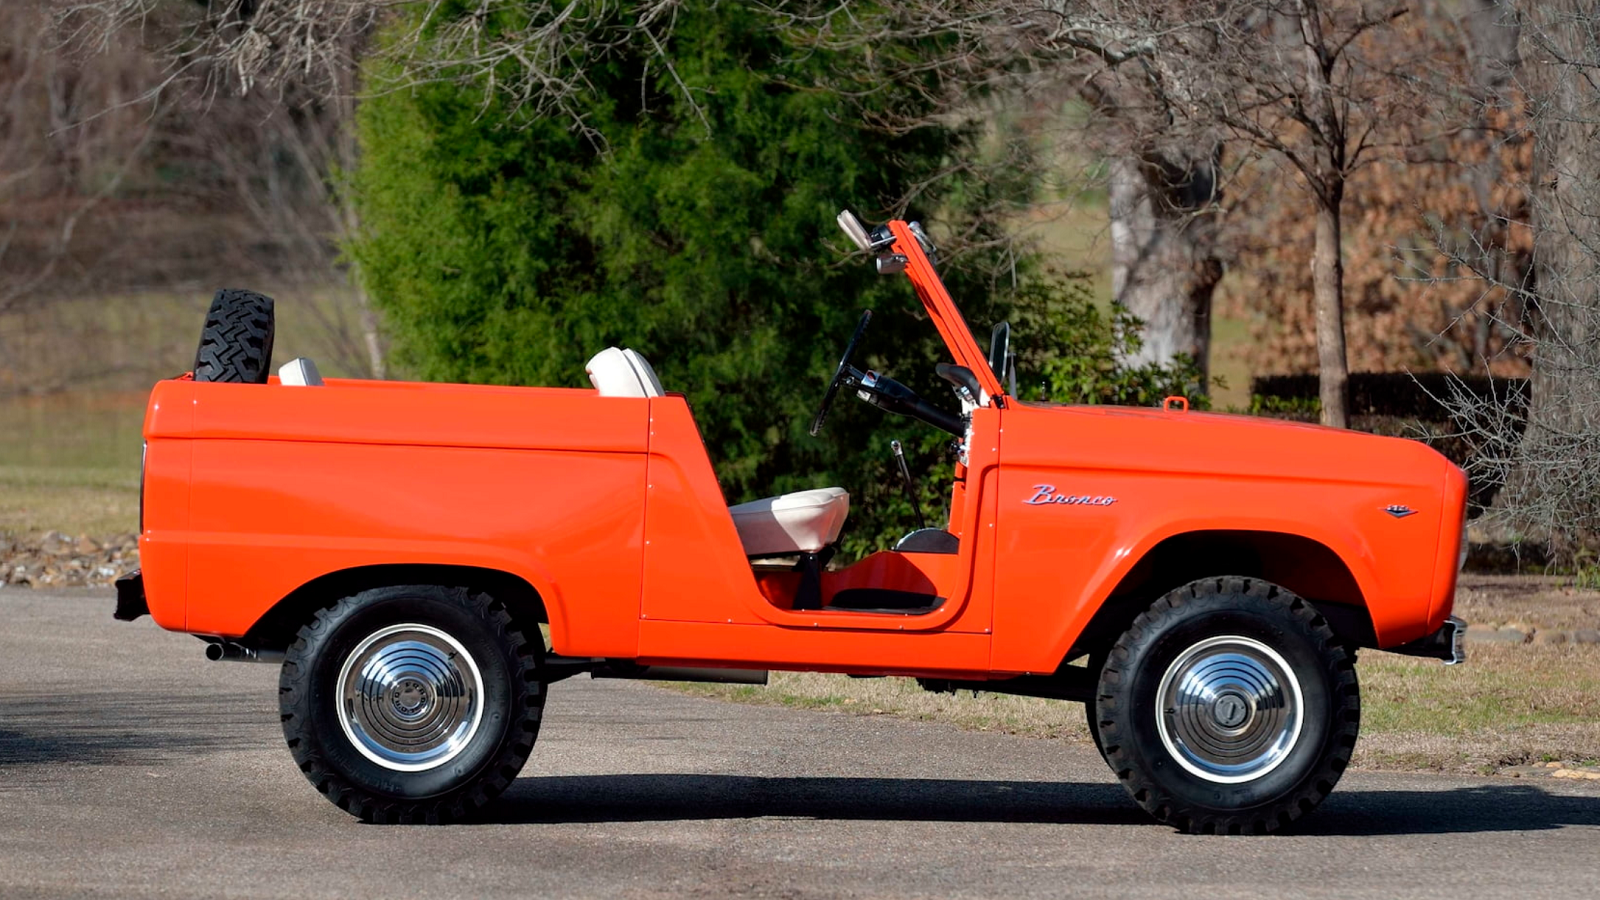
(236, 342)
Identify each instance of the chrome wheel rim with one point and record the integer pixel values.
(410, 698)
(1231, 709)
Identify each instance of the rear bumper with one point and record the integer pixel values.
(1443, 644)
(130, 597)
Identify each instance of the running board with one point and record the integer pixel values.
(1071, 683)
(558, 668)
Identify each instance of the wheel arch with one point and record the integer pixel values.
(277, 627)
(1304, 565)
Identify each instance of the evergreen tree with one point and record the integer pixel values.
(698, 229)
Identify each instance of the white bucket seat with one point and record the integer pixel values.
(616, 372)
(802, 522)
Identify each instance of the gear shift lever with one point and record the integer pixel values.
(911, 488)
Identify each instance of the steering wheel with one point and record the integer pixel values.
(841, 374)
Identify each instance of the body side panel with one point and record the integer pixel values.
(694, 565)
(1447, 568)
(163, 549)
(1062, 560)
(267, 516)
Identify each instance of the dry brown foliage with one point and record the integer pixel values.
(1408, 305)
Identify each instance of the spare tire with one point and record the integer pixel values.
(236, 343)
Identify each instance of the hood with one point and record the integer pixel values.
(1198, 443)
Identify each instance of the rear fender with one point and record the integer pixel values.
(527, 603)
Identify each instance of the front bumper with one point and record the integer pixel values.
(1445, 644)
(130, 597)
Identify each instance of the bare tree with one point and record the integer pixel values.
(300, 62)
(1553, 488)
(1165, 263)
(282, 171)
(56, 166)
(1310, 88)
(1303, 86)
(117, 180)
(1544, 448)
(536, 54)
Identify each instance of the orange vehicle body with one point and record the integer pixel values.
(608, 510)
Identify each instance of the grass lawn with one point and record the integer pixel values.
(1508, 705)
(69, 458)
(70, 463)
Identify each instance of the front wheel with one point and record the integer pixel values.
(1229, 706)
(412, 704)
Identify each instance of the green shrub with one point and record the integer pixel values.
(507, 249)
(1070, 351)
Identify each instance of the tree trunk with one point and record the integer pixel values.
(1326, 184)
(1493, 31)
(1555, 488)
(1327, 292)
(1163, 252)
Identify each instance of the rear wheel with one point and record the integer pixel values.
(412, 704)
(236, 342)
(1091, 715)
(1229, 706)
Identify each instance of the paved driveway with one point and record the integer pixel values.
(131, 767)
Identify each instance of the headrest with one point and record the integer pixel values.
(617, 372)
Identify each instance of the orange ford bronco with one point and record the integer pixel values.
(1201, 583)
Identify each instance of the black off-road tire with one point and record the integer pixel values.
(1092, 719)
(236, 342)
(1132, 717)
(310, 694)
(1096, 664)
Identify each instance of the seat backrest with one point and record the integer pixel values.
(299, 372)
(617, 372)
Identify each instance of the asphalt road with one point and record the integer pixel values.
(131, 767)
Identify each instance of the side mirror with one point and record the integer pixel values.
(999, 349)
(1001, 360)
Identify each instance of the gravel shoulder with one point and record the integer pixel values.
(145, 771)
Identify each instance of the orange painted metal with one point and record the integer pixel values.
(500, 479)
(611, 510)
(1172, 473)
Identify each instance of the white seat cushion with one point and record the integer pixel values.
(616, 372)
(802, 522)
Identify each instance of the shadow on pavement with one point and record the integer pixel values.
(123, 728)
(663, 798)
(1491, 807)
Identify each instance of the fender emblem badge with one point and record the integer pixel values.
(1045, 495)
(1399, 511)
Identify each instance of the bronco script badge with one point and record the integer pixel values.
(1045, 494)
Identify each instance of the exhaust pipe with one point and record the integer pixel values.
(229, 651)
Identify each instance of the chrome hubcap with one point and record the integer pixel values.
(410, 698)
(1231, 709)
